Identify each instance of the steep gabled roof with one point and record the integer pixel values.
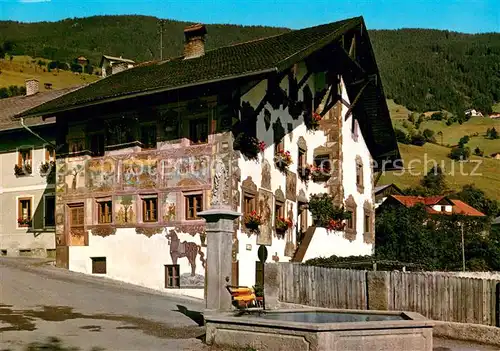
(253, 57)
(264, 56)
(458, 207)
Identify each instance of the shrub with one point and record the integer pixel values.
(401, 136)
(323, 210)
(459, 153)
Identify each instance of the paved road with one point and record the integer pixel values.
(38, 301)
(42, 301)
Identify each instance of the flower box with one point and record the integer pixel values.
(46, 168)
(24, 222)
(320, 174)
(249, 146)
(283, 160)
(315, 119)
(282, 224)
(252, 221)
(22, 170)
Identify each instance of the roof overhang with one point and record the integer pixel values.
(143, 93)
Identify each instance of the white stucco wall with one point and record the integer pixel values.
(350, 150)
(12, 237)
(323, 243)
(136, 259)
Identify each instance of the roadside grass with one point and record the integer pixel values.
(420, 160)
(16, 72)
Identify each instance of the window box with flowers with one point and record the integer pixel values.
(252, 221)
(320, 173)
(326, 214)
(283, 160)
(282, 224)
(24, 222)
(22, 170)
(249, 146)
(46, 168)
(314, 122)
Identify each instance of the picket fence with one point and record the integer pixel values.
(438, 296)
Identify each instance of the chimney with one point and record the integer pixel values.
(194, 46)
(31, 86)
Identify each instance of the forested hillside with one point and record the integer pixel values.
(421, 69)
(428, 70)
(134, 37)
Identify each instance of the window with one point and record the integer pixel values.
(279, 209)
(198, 130)
(367, 223)
(122, 131)
(150, 208)
(49, 211)
(104, 211)
(24, 161)
(248, 204)
(194, 204)
(24, 212)
(359, 174)
(148, 136)
(302, 158)
(322, 161)
(355, 129)
(350, 221)
(98, 265)
(50, 154)
(97, 144)
(77, 216)
(172, 276)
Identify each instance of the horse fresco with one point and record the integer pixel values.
(185, 249)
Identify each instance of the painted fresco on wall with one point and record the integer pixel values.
(169, 204)
(291, 186)
(139, 173)
(74, 176)
(184, 171)
(100, 174)
(190, 251)
(265, 206)
(125, 209)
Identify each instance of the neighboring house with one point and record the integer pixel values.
(143, 151)
(383, 191)
(496, 155)
(441, 205)
(27, 199)
(112, 65)
(82, 60)
(473, 113)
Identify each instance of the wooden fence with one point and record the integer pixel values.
(323, 287)
(438, 296)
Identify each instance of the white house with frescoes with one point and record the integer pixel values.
(287, 117)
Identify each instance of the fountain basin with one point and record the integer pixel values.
(319, 329)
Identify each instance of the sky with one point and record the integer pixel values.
(468, 16)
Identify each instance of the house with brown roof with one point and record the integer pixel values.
(27, 182)
(259, 127)
(437, 205)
